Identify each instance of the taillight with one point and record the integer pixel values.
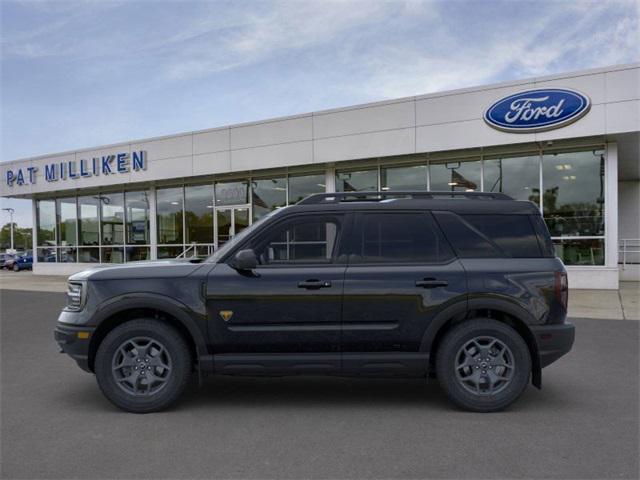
(562, 288)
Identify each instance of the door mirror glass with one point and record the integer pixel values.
(245, 260)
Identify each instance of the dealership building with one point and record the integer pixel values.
(569, 143)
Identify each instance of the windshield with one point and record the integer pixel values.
(224, 249)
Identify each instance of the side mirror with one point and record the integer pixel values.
(245, 260)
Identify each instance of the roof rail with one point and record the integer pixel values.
(338, 197)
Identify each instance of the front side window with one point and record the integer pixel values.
(309, 240)
(400, 238)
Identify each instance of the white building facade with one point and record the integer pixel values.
(569, 143)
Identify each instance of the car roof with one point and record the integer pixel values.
(457, 202)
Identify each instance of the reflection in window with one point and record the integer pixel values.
(88, 220)
(134, 254)
(455, 176)
(46, 218)
(267, 195)
(67, 213)
(232, 193)
(169, 252)
(112, 218)
(169, 206)
(89, 255)
(357, 181)
(573, 198)
(137, 217)
(198, 213)
(404, 178)
(112, 255)
(517, 177)
(304, 241)
(301, 186)
(580, 251)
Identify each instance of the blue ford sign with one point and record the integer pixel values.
(537, 110)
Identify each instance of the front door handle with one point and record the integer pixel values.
(314, 284)
(431, 283)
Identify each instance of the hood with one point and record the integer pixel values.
(170, 268)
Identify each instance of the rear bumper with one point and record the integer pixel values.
(553, 341)
(74, 341)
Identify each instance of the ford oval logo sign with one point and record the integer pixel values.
(537, 110)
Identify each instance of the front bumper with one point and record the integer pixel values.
(74, 341)
(553, 341)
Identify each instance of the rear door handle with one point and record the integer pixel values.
(314, 284)
(431, 283)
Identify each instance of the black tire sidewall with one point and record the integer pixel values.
(445, 365)
(179, 376)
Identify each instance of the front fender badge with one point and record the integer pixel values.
(226, 315)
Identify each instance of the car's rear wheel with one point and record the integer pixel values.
(143, 366)
(483, 365)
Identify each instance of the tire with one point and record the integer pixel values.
(128, 386)
(478, 385)
(16, 268)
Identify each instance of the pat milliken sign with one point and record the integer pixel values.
(115, 164)
(537, 110)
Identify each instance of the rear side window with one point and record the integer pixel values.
(513, 234)
(490, 236)
(544, 238)
(400, 238)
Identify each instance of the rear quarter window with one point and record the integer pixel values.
(490, 236)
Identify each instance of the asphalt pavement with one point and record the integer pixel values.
(56, 424)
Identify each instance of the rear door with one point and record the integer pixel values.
(401, 273)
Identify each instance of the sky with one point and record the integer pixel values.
(87, 73)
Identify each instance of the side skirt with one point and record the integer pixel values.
(377, 364)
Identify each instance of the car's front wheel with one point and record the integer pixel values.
(16, 268)
(143, 366)
(483, 365)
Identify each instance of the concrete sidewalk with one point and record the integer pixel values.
(620, 304)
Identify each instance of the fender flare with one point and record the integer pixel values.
(178, 310)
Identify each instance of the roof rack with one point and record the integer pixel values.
(339, 197)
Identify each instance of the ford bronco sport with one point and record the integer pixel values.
(461, 286)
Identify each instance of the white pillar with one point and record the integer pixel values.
(153, 225)
(34, 232)
(330, 179)
(611, 205)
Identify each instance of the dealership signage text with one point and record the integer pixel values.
(537, 110)
(74, 169)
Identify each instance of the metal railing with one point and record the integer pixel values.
(629, 251)
(192, 250)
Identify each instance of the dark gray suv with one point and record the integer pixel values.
(461, 286)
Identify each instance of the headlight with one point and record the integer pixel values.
(75, 296)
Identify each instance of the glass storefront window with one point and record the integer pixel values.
(580, 251)
(573, 198)
(169, 252)
(268, 194)
(112, 218)
(67, 254)
(301, 186)
(46, 218)
(455, 176)
(137, 217)
(412, 177)
(112, 255)
(89, 255)
(357, 181)
(67, 221)
(518, 177)
(198, 213)
(169, 207)
(88, 220)
(232, 193)
(134, 254)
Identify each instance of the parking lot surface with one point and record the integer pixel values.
(56, 424)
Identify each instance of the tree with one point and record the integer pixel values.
(21, 237)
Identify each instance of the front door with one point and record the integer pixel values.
(292, 302)
(401, 273)
(229, 222)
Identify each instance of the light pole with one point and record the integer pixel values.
(11, 212)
